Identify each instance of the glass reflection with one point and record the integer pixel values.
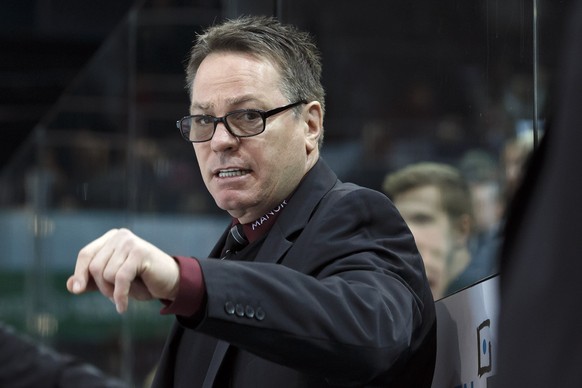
(407, 82)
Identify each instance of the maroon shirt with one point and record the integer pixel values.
(192, 289)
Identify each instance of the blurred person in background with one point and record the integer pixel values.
(435, 202)
(483, 174)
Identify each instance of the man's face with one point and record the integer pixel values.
(422, 210)
(264, 169)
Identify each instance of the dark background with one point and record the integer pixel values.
(44, 44)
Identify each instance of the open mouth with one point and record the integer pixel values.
(232, 173)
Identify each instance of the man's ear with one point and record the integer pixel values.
(462, 229)
(313, 116)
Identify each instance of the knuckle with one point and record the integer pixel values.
(121, 277)
(127, 241)
(84, 254)
(109, 275)
(124, 233)
(94, 268)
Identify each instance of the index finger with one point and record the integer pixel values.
(77, 283)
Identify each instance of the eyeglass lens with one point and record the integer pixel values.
(201, 128)
(241, 123)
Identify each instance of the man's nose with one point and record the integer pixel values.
(222, 138)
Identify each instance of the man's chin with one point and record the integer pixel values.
(230, 204)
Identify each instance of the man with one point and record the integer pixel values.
(330, 289)
(435, 202)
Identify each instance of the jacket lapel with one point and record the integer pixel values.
(215, 362)
(318, 182)
(221, 346)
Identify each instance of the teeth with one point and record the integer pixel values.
(231, 173)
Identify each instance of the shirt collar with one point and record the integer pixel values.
(261, 226)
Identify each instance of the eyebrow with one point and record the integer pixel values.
(230, 101)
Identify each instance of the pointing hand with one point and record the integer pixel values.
(121, 265)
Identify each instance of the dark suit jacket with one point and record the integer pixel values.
(337, 296)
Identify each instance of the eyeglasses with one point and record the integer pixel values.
(239, 123)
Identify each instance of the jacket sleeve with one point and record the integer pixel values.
(25, 363)
(350, 290)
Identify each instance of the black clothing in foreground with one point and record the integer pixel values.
(25, 364)
(540, 343)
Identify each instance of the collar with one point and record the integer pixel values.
(261, 226)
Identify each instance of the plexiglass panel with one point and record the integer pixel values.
(450, 82)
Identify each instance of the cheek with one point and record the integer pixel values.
(285, 155)
(201, 162)
(200, 158)
(432, 246)
(433, 260)
(428, 234)
(199, 151)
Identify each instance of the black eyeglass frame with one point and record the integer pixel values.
(264, 115)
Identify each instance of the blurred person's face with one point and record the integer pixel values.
(250, 176)
(487, 208)
(432, 230)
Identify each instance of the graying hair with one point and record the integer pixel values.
(292, 51)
